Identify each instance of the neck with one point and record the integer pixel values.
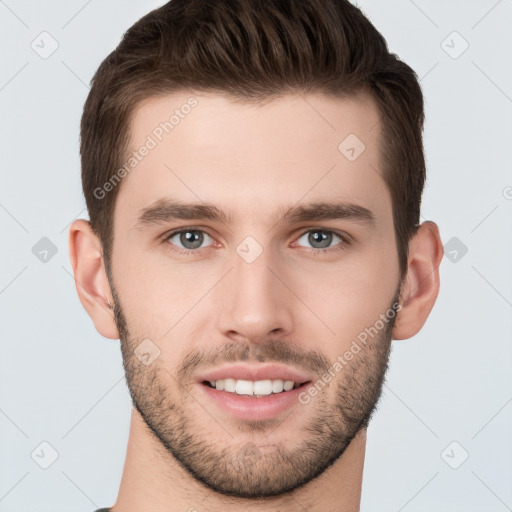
(153, 479)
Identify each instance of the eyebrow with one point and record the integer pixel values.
(166, 210)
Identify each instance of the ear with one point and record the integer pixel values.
(86, 254)
(421, 283)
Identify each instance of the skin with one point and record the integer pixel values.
(254, 162)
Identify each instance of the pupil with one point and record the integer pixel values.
(324, 239)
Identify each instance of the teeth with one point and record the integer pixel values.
(255, 388)
(244, 387)
(277, 386)
(262, 387)
(288, 385)
(229, 385)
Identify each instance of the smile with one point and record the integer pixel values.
(256, 388)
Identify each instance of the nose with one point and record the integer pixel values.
(255, 301)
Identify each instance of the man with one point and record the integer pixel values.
(253, 173)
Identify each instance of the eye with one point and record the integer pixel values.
(321, 239)
(187, 240)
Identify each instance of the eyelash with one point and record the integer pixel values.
(340, 246)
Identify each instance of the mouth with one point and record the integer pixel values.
(254, 392)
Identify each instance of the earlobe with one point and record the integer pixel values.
(421, 283)
(85, 252)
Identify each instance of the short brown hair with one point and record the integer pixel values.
(254, 50)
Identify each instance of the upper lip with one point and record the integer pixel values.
(260, 372)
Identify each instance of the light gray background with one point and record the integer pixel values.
(63, 384)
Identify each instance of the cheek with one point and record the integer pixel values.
(344, 296)
(156, 293)
(347, 296)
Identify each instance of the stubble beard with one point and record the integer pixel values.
(243, 469)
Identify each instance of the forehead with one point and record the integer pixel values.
(253, 158)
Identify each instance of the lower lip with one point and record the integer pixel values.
(248, 407)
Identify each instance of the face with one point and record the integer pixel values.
(254, 249)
